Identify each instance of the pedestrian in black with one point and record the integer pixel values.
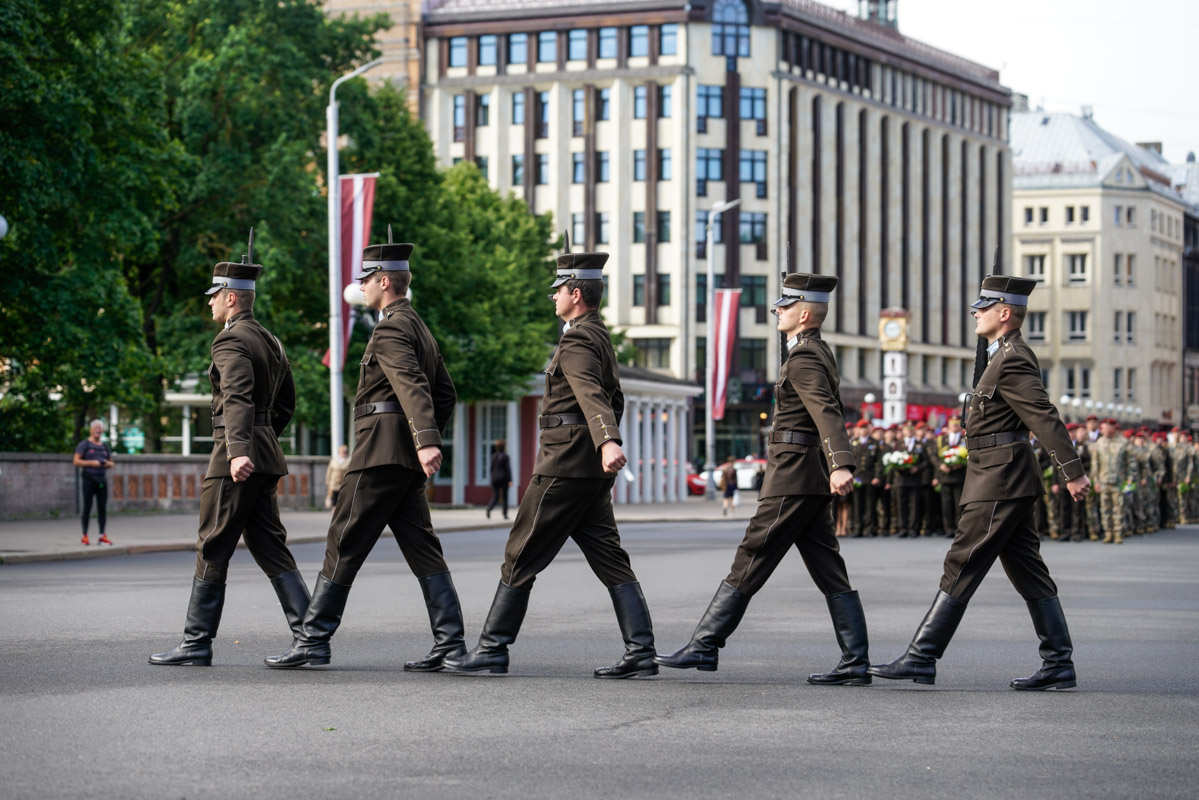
(501, 478)
(94, 457)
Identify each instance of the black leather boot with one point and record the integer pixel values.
(1057, 671)
(203, 618)
(321, 620)
(849, 623)
(919, 663)
(503, 623)
(719, 621)
(294, 597)
(632, 614)
(445, 618)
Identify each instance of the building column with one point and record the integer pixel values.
(672, 453)
(514, 451)
(660, 453)
(647, 452)
(681, 451)
(633, 439)
(458, 482)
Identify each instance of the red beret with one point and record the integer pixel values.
(1128, 433)
(1072, 426)
(1092, 417)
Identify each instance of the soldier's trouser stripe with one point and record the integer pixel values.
(215, 524)
(349, 517)
(990, 525)
(533, 527)
(766, 538)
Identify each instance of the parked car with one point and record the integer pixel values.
(747, 470)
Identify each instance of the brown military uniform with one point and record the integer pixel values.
(253, 398)
(569, 496)
(951, 482)
(1003, 480)
(405, 398)
(807, 442)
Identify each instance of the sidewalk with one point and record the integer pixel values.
(22, 541)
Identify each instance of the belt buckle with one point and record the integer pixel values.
(368, 409)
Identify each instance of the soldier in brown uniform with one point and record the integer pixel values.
(570, 494)
(809, 461)
(950, 479)
(1002, 485)
(405, 398)
(253, 397)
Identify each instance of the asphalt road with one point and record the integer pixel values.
(84, 715)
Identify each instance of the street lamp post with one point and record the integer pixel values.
(710, 420)
(336, 345)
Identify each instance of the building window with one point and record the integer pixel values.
(487, 50)
(638, 41)
(481, 163)
(1085, 213)
(578, 232)
(753, 360)
(663, 298)
(753, 291)
(1117, 384)
(638, 291)
(1132, 384)
(543, 115)
(1044, 215)
(663, 227)
(576, 45)
(1076, 268)
(1034, 267)
(543, 169)
(518, 170)
(753, 231)
(753, 106)
(1069, 215)
(1130, 217)
(459, 118)
(1129, 263)
(604, 98)
(1028, 215)
(1131, 330)
(482, 110)
(730, 29)
(1118, 327)
(547, 47)
(1119, 216)
(638, 165)
(753, 169)
(668, 40)
(458, 51)
(640, 98)
(1076, 326)
(652, 353)
(578, 171)
(601, 228)
(638, 229)
(664, 93)
(1084, 380)
(1035, 324)
(518, 48)
(578, 110)
(518, 107)
(601, 166)
(1118, 270)
(707, 168)
(607, 43)
(710, 103)
(663, 163)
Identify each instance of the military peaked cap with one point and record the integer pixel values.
(803, 287)
(235, 275)
(580, 267)
(390, 257)
(1004, 289)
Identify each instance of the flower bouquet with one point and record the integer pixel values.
(1128, 488)
(898, 461)
(954, 457)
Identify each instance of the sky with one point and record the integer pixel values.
(1130, 61)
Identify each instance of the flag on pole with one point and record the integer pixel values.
(357, 207)
(723, 335)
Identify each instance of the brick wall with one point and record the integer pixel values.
(38, 485)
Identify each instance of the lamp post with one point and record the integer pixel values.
(710, 372)
(336, 345)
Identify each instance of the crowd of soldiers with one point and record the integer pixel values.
(1142, 482)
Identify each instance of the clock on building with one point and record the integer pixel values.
(893, 330)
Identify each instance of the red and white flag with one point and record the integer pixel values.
(724, 334)
(357, 207)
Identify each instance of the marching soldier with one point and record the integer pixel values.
(809, 461)
(1111, 471)
(998, 501)
(405, 398)
(950, 478)
(867, 470)
(253, 397)
(570, 495)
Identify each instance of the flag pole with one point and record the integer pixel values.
(710, 383)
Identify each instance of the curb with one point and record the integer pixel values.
(100, 551)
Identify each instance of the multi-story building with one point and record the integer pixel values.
(400, 43)
(854, 151)
(1099, 222)
(1186, 180)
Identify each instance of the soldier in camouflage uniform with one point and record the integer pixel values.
(1132, 481)
(1046, 513)
(1110, 462)
(1157, 470)
(1081, 526)
(1184, 474)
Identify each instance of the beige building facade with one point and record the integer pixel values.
(399, 43)
(1099, 224)
(854, 150)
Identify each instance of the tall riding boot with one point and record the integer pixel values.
(1057, 671)
(445, 618)
(203, 618)
(503, 623)
(849, 623)
(919, 663)
(718, 622)
(632, 614)
(321, 620)
(294, 597)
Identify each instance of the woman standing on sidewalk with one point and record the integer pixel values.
(94, 456)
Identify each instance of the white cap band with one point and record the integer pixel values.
(1010, 299)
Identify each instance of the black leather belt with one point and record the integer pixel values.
(995, 439)
(556, 420)
(259, 419)
(794, 437)
(377, 408)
